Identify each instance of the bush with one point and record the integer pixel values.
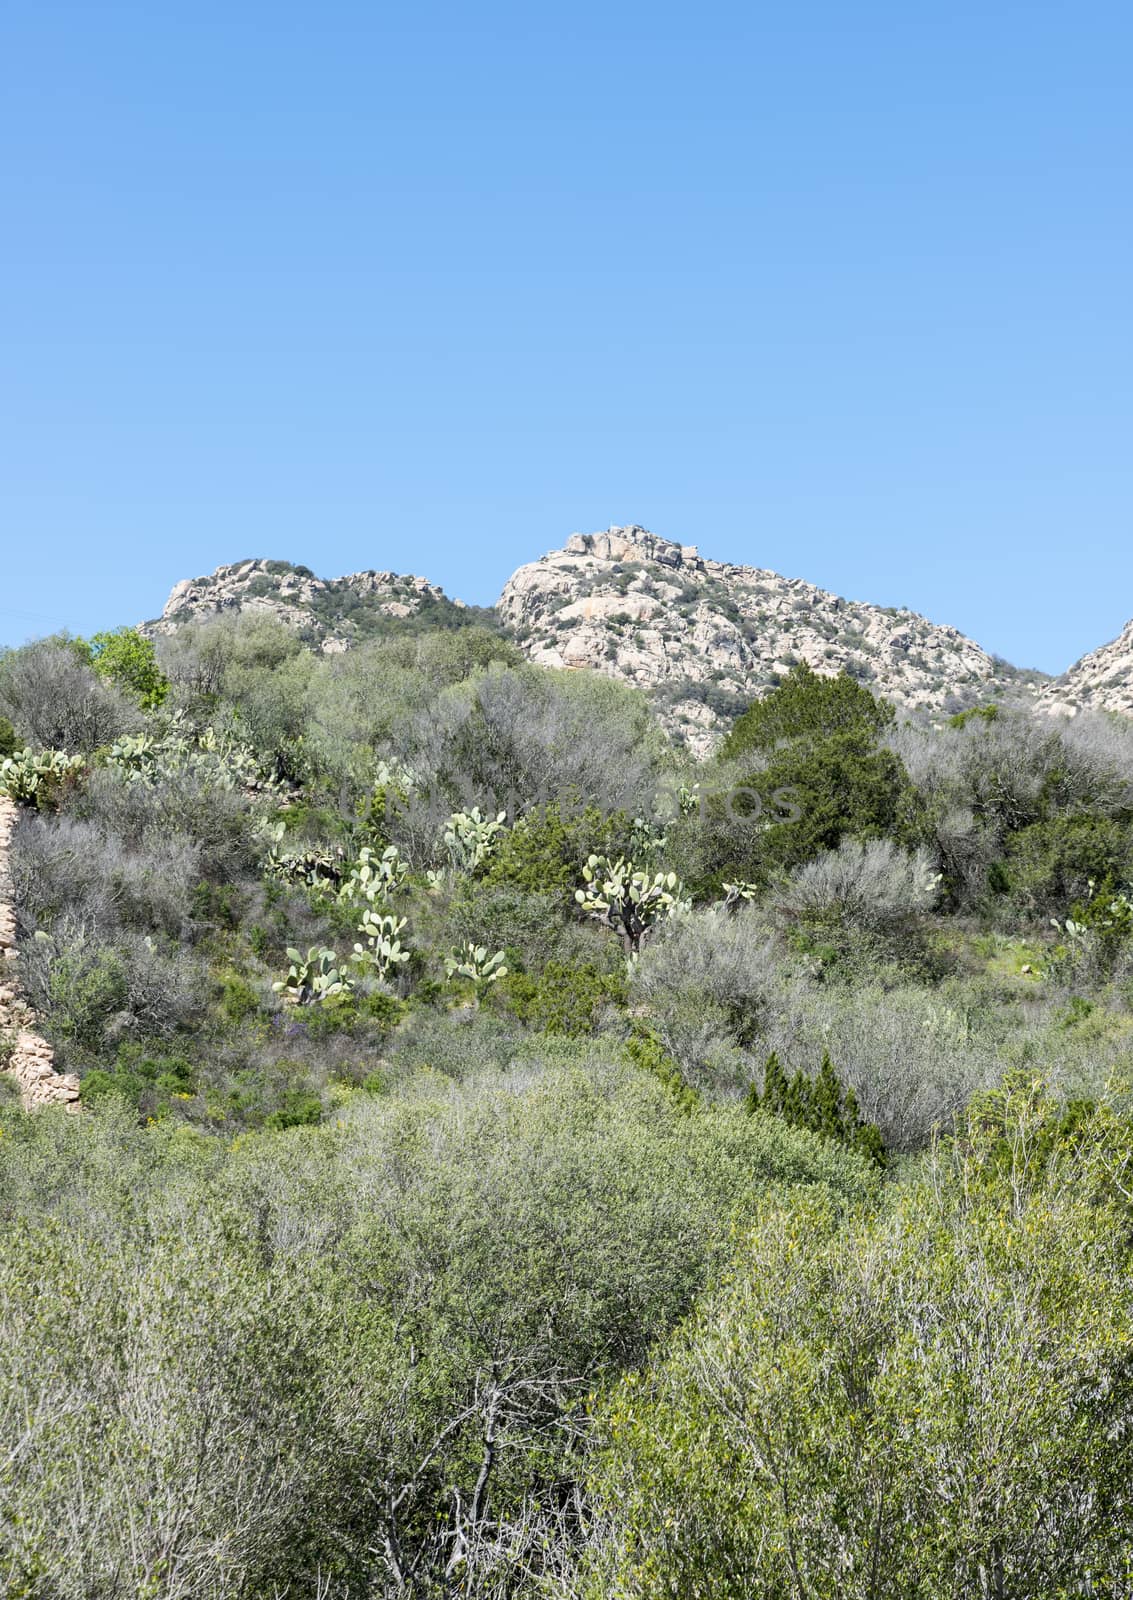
(807, 705)
(707, 979)
(869, 885)
(298, 1110)
(91, 995)
(217, 822)
(795, 1438)
(821, 1104)
(913, 1055)
(1051, 864)
(291, 1326)
(563, 998)
(516, 738)
(143, 1082)
(86, 988)
(58, 702)
(546, 850)
(70, 868)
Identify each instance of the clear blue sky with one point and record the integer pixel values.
(842, 290)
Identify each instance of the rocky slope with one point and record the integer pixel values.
(333, 613)
(701, 637)
(1100, 681)
(704, 637)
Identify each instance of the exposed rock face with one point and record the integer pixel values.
(701, 637)
(31, 1061)
(332, 612)
(705, 637)
(1101, 681)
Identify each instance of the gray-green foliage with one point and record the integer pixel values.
(240, 1372)
(872, 885)
(929, 1403)
(53, 696)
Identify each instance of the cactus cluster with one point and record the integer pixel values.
(735, 895)
(314, 865)
(28, 776)
(473, 962)
(217, 759)
(374, 879)
(312, 978)
(629, 900)
(470, 838)
(383, 952)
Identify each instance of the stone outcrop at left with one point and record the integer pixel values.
(27, 1057)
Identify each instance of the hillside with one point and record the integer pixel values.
(704, 636)
(701, 637)
(1100, 681)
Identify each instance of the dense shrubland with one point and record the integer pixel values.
(517, 1159)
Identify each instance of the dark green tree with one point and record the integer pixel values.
(822, 1105)
(819, 774)
(807, 705)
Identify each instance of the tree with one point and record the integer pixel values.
(126, 659)
(807, 705)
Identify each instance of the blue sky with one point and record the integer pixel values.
(842, 290)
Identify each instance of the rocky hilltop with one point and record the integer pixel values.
(705, 637)
(332, 613)
(701, 637)
(1101, 681)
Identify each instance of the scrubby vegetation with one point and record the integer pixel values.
(519, 1160)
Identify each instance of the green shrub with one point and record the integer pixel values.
(217, 903)
(564, 997)
(548, 847)
(9, 741)
(795, 1438)
(238, 1000)
(144, 1082)
(86, 987)
(126, 659)
(646, 1051)
(1050, 864)
(237, 1354)
(821, 1104)
(298, 1110)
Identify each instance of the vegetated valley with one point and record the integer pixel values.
(520, 1157)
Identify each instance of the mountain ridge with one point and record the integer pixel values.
(703, 637)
